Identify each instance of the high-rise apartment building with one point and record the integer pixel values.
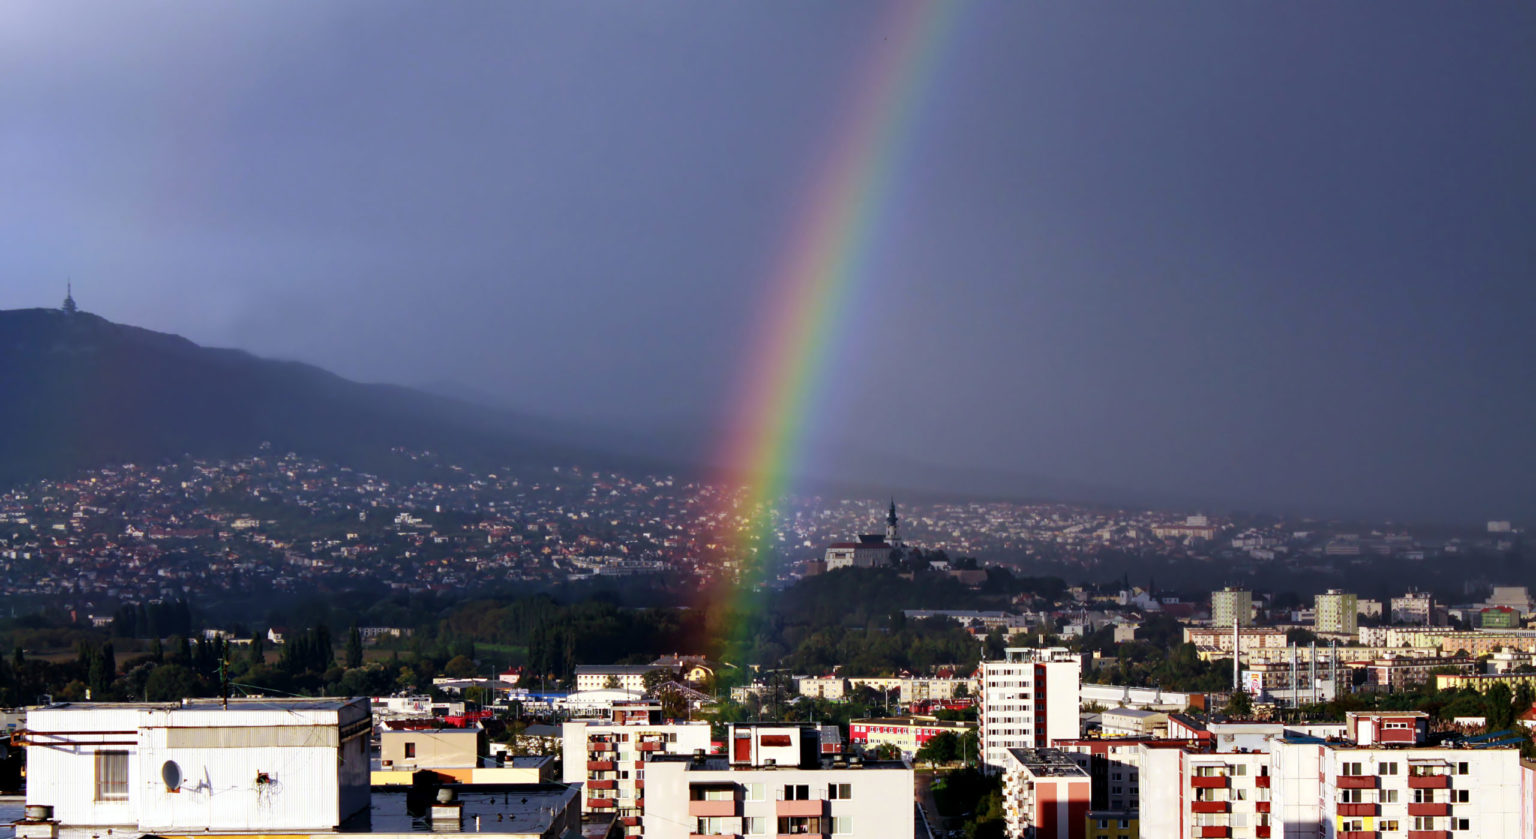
(1229, 603)
(610, 757)
(1415, 607)
(1028, 701)
(1338, 612)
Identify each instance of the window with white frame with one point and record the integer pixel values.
(842, 825)
(111, 776)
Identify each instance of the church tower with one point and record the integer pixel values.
(69, 299)
(892, 534)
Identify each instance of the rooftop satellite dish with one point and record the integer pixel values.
(171, 774)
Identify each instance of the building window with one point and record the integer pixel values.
(111, 776)
(754, 825)
(1389, 796)
(1388, 769)
(840, 792)
(1460, 796)
(796, 792)
(1350, 769)
(1423, 822)
(842, 824)
(754, 793)
(711, 826)
(1461, 769)
(1388, 825)
(410, 750)
(1463, 824)
(799, 824)
(1349, 796)
(1354, 824)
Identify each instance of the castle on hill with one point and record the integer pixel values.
(873, 550)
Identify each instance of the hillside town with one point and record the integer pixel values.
(280, 523)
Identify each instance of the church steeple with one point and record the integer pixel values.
(69, 299)
(892, 534)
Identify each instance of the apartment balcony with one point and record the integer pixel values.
(796, 835)
(1261, 781)
(1210, 782)
(629, 821)
(1429, 834)
(1357, 809)
(600, 803)
(1433, 808)
(1356, 781)
(1261, 806)
(1213, 831)
(714, 836)
(654, 746)
(606, 784)
(1210, 806)
(722, 809)
(600, 766)
(1262, 831)
(791, 809)
(1429, 782)
(1357, 834)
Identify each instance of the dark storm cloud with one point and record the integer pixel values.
(1268, 255)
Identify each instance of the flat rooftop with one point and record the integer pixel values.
(1047, 763)
(263, 704)
(508, 808)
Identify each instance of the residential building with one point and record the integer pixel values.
(1338, 613)
(1230, 603)
(1393, 672)
(1028, 700)
(431, 747)
(610, 758)
(1414, 607)
(1045, 795)
(1133, 722)
(775, 781)
(1499, 617)
(629, 677)
(907, 734)
(197, 766)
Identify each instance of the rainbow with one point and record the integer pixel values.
(826, 261)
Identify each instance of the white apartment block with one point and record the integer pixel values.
(1415, 607)
(262, 766)
(611, 758)
(773, 782)
(630, 677)
(1029, 700)
(1302, 787)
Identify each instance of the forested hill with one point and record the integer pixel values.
(78, 391)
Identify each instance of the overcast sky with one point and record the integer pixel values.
(1280, 253)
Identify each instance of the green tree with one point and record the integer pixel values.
(1240, 704)
(354, 647)
(943, 747)
(459, 667)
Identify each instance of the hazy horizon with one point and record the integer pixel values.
(1258, 255)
